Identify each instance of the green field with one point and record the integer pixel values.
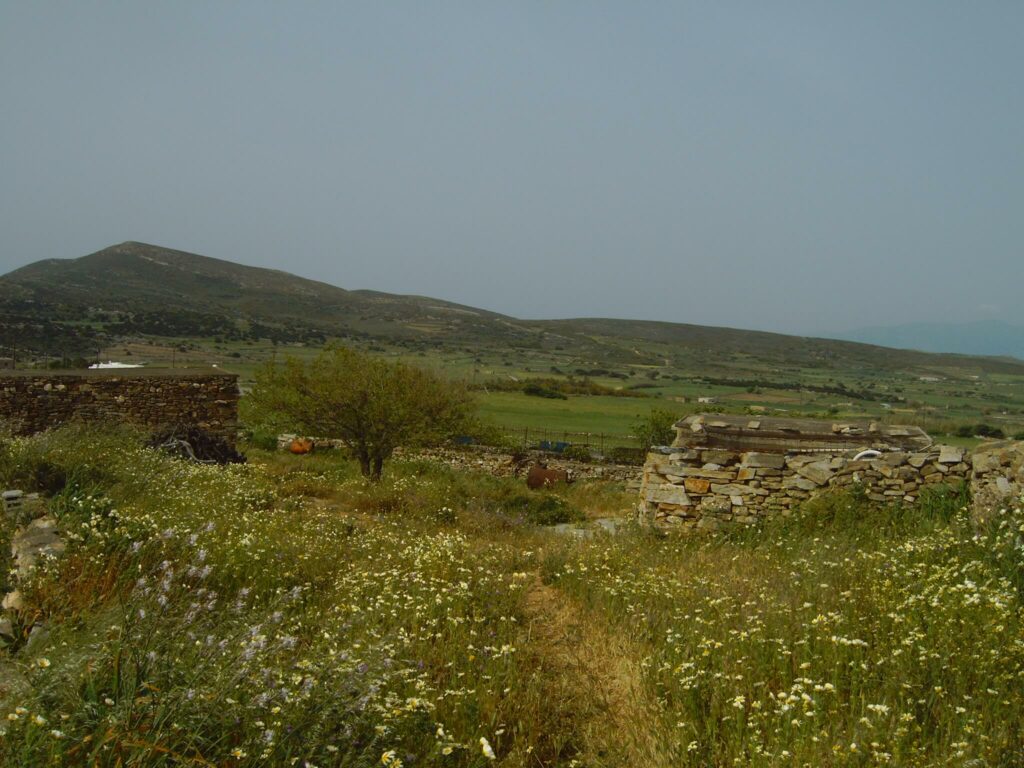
(940, 399)
(611, 416)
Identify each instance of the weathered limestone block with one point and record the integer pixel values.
(713, 456)
(658, 462)
(908, 473)
(852, 467)
(799, 459)
(799, 483)
(763, 460)
(950, 454)
(715, 505)
(894, 458)
(667, 494)
(884, 470)
(681, 456)
(707, 474)
(39, 539)
(820, 472)
(696, 485)
(735, 489)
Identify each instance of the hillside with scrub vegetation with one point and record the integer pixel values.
(584, 380)
(288, 611)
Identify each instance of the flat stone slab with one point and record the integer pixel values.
(820, 472)
(766, 460)
(668, 494)
(38, 539)
(950, 454)
(589, 529)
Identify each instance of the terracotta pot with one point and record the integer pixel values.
(301, 445)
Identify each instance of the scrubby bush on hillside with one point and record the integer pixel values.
(536, 390)
(980, 430)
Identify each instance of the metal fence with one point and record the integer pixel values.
(557, 440)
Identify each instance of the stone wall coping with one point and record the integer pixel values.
(113, 373)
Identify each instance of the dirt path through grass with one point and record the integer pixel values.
(593, 680)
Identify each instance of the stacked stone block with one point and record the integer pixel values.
(997, 475)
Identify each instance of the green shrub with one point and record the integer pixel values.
(75, 454)
(539, 508)
(262, 438)
(535, 390)
(6, 460)
(979, 430)
(578, 453)
(857, 517)
(657, 428)
(25, 467)
(622, 454)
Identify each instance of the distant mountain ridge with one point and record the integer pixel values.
(984, 337)
(137, 289)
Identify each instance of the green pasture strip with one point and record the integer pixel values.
(579, 413)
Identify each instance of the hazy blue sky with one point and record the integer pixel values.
(804, 167)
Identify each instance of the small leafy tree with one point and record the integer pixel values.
(372, 405)
(657, 428)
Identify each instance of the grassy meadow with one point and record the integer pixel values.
(286, 612)
(941, 397)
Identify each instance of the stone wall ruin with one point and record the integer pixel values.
(729, 469)
(33, 401)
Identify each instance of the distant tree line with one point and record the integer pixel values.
(555, 388)
(838, 388)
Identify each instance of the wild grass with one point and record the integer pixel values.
(286, 612)
(227, 615)
(853, 634)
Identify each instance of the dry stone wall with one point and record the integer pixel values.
(704, 488)
(997, 474)
(496, 462)
(32, 401)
